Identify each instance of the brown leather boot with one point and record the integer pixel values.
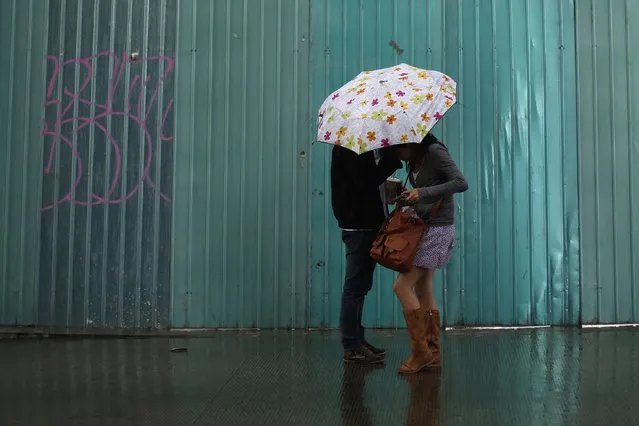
(432, 323)
(421, 357)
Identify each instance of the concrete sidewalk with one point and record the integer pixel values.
(532, 377)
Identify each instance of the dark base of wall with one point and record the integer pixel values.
(14, 333)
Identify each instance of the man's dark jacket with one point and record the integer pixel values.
(355, 181)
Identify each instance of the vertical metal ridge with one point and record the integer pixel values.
(580, 155)
(549, 306)
(125, 167)
(411, 23)
(344, 29)
(495, 151)
(7, 181)
(378, 39)
(631, 169)
(37, 255)
(596, 159)
(242, 194)
(25, 155)
(294, 166)
(562, 84)
(395, 36)
(532, 310)
(428, 39)
(173, 292)
(613, 148)
(478, 158)
(360, 15)
(89, 207)
(327, 162)
(189, 281)
(278, 135)
(157, 199)
(309, 172)
(513, 119)
(142, 106)
(74, 170)
(260, 172)
(105, 233)
(462, 240)
(56, 188)
(209, 169)
(225, 222)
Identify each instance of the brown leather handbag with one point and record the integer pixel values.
(397, 240)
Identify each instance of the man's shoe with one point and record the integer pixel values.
(373, 349)
(363, 355)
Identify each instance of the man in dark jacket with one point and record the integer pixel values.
(358, 208)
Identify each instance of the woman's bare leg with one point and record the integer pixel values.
(404, 289)
(424, 290)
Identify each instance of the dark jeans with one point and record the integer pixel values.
(357, 283)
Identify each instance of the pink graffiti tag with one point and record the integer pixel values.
(65, 101)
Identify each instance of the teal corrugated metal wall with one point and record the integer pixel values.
(87, 172)
(240, 249)
(23, 30)
(246, 201)
(609, 159)
(513, 133)
(108, 150)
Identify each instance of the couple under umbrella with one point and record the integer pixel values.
(375, 122)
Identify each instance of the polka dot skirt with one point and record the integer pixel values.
(436, 247)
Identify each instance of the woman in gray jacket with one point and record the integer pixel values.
(436, 178)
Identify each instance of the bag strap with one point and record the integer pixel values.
(407, 177)
(435, 210)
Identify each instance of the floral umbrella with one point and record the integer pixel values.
(385, 107)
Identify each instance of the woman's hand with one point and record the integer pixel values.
(410, 197)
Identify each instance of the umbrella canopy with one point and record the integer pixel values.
(385, 107)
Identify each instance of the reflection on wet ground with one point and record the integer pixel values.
(542, 377)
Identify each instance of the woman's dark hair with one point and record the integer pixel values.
(422, 147)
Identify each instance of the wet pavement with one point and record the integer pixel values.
(532, 377)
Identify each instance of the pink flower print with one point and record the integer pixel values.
(385, 143)
(404, 74)
(400, 93)
(375, 102)
(335, 96)
(350, 102)
(438, 116)
(327, 136)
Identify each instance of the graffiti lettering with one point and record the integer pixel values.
(64, 123)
